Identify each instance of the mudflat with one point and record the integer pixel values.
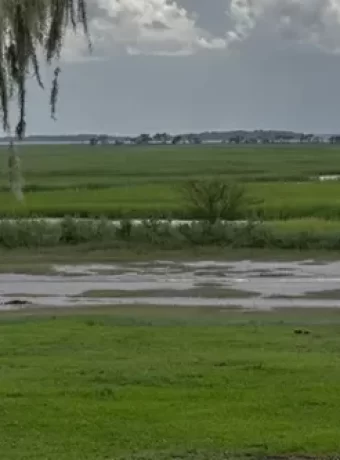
(260, 285)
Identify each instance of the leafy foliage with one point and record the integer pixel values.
(26, 28)
(214, 199)
(164, 235)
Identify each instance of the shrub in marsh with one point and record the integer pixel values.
(124, 229)
(214, 199)
(300, 240)
(159, 233)
(74, 231)
(305, 240)
(105, 230)
(330, 241)
(205, 233)
(165, 235)
(252, 235)
(39, 233)
(9, 235)
(190, 233)
(257, 235)
(15, 234)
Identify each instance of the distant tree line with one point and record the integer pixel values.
(164, 138)
(214, 137)
(147, 139)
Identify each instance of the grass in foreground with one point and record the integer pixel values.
(148, 383)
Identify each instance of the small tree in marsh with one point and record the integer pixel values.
(214, 199)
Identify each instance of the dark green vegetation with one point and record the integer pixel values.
(152, 383)
(60, 165)
(151, 235)
(146, 181)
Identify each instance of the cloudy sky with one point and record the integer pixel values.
(193, 65)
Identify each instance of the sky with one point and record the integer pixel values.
(198, 65)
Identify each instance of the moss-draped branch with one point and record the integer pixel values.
(26, 27)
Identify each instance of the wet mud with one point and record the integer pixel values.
(245, 284)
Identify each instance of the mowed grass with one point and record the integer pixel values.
(150, 383)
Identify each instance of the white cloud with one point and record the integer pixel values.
(163, 27)
(315, 22)
(160, 27)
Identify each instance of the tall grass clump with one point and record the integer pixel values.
(214, 199)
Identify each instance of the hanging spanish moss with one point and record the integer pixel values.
(28, 27)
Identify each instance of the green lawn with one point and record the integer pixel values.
(150, 383)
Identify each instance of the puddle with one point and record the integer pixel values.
(246, 284)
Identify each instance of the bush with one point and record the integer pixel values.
(39, 233)
(164, 235)
(214, 200)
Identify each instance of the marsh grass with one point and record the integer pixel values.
(72, 165)
(139, 182)
(268, 201)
